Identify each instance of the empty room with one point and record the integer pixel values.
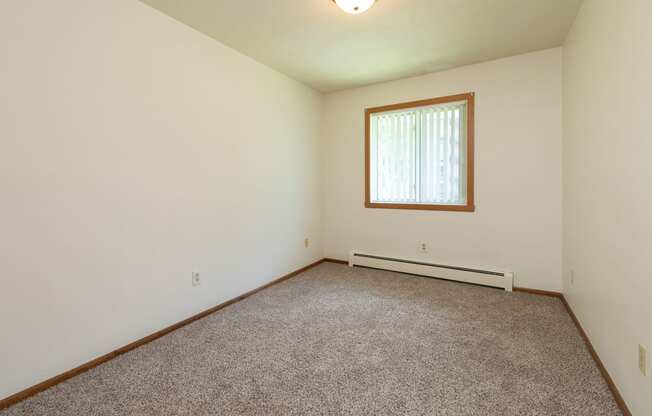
(325, 207)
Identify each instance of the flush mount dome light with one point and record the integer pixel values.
(354, 6)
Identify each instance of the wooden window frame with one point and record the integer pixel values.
(470, 205)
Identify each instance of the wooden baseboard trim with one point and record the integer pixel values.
(329, 260)
(603, 370)
(31, 391)
(538, 292)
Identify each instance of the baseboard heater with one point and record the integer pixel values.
(494, 278)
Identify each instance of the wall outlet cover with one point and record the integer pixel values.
(196, 280)
(642, 359)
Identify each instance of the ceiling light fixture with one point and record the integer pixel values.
(354, 6)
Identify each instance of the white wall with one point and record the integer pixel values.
(607, 199)
(134, 150)
(517, 223)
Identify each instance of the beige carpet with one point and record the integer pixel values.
(342, 341)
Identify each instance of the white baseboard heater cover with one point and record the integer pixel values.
(487, 277)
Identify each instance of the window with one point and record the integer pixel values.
(419, 155)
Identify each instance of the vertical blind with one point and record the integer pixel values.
(418, 155)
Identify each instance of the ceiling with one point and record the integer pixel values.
(316, 43)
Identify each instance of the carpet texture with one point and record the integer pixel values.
(341, 341)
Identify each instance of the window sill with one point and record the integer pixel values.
(422, 207)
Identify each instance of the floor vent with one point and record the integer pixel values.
(487, 277)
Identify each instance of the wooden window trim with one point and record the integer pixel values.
(470, 205)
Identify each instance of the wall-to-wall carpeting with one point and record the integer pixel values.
(336, 340)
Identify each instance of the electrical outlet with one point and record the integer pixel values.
(572, 277)
(642, 359)
(306, 242)
(424, 248)
(196, 280)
